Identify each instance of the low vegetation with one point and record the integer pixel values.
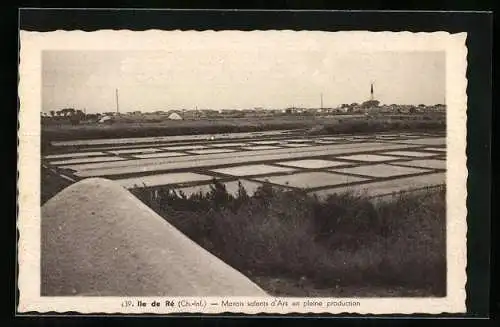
(294, 244)
(337, 124)
(51, 183)
(388, 124)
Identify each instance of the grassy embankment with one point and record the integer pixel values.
(293, 244)
(51, 184)
(325, 125)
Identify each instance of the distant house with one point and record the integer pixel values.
(105, 119)
(174, 116)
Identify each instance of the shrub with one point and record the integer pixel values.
(344, 240)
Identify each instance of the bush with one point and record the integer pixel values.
(344, 240)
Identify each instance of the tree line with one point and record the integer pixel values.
(75, 116)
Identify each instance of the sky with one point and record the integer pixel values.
(226, 78)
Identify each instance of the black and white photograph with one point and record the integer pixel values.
(227, 166)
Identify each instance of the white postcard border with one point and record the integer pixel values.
(33, 43)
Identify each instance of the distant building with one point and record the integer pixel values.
(370, 104)
(174, 116)
(105, 120)
(438, 107)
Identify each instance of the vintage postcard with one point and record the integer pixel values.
(244, 172)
